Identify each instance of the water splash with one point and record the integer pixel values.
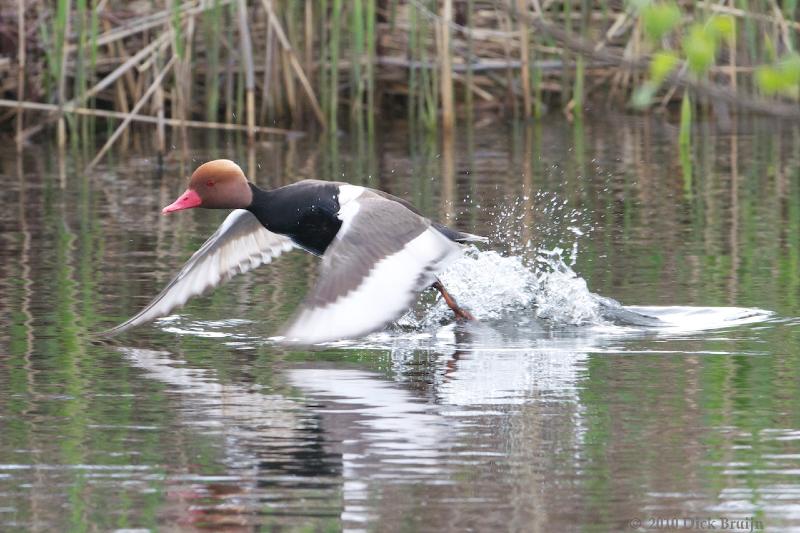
(535, 285)
(493, 286)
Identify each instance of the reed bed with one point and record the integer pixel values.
(276, 67)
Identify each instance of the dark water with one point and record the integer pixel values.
(549, 417)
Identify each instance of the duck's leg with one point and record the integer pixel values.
(461, 314)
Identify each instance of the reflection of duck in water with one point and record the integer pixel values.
(268, 445)
(378, 252)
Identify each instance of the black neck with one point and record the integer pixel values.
(260, 206)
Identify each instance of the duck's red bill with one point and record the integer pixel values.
(187, 200)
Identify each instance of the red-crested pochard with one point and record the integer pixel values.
(378, 252)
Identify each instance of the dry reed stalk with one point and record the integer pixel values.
(186, 80)
(511, 100)
(670, 92)
(122, 100)
(250, 78)
(618, 24)
(229, 112)
(187, 65)
(446, 74)
(20, 67)
(332, 89)
(309, 40)
(289, 89)
(161, 134)
(294, 61)
(782, 24)
(743, 13)
(473, 88)
(119, 93)
(130, 81)
(448, 182)
(127, 120)
(146, 119)
(525, 61)
(411, 56)
(102, 84)
(148, 22)
(268, 59)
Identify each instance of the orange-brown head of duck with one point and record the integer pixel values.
(218, 184)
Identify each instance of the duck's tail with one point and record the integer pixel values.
(458, 236)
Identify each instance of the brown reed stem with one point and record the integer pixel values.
(20, 68)
(250, 78)
(524, 58)
(309, 40)
(161, 134)
(446, 75)
(269, 52)
(127, 120)
(294, 61)
(148, 22)
(102, 84)
(146, 119)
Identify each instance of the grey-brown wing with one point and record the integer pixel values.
(240, 244)
(383, 256)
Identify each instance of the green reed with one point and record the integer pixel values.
(55, 37)
(685, 144)
(177, 28)
(371, 58)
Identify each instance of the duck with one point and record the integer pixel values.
(377, 251)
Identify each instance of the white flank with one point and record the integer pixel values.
(240, 244)
(388, 290)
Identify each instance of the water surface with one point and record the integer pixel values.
(560, 412)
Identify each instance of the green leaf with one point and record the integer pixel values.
(661, 65)
(700, 49)
(790, 67)
(781, 78)
(659, 19)
(721, 27)
(769, 79)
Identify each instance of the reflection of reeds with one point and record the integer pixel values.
(267, 62)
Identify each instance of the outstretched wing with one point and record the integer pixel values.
(240, 244)
(383, 256)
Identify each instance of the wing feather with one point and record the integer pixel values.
(240, 244)
(383, 256)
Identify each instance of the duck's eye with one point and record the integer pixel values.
(209, 183)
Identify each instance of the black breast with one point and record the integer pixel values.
(305, 211)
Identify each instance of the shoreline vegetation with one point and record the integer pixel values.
(267, 67)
